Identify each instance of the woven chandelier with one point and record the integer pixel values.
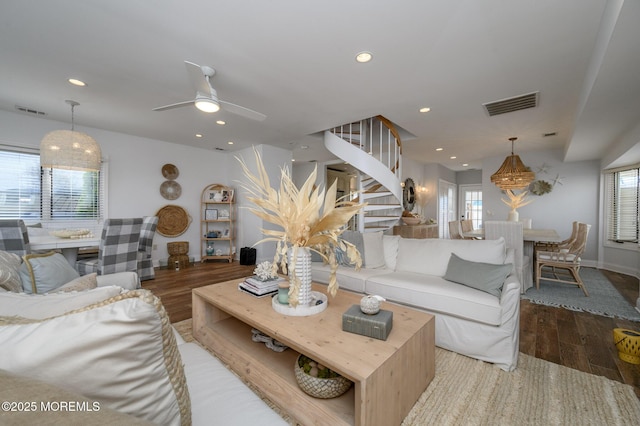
(513, 174)
(71, 150)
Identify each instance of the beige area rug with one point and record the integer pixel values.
(466, 391)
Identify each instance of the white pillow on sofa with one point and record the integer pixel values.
(390, 245)
(40, 306)
(10, 271)
(121, 352)
(373, 250)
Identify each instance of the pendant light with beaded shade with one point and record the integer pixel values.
(513, 174)
(71, 150)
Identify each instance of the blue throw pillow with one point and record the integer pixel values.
(487, 277)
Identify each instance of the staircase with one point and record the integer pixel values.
(373, 147)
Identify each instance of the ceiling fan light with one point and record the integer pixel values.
(207, 105)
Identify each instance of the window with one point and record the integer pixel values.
(622, 189)
(32, 193)
(471, 204)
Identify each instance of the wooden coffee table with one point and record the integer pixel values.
(389, 376)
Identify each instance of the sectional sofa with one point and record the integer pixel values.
(109, 355)
(469, 285)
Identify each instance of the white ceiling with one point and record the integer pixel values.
(294, 62)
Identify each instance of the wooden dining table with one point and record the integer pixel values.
(68, 246)
(531, 237)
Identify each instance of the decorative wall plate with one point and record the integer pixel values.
(541, 187)
(172, 221)
(170, 172)
(170, 189)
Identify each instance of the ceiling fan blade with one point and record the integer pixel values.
(240, 110)
(177, 105)
(197, 78)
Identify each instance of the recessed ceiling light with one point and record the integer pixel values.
(230, 143)
(453, 157)
(465, 164)
(304, 146)
(77, 82)
(425, 109)
(198, 135)
(439, 149)
(220, 122)
(293, 159)
(363, 57)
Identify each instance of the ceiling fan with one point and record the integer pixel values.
(206, 96)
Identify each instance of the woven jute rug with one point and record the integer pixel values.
(466, 391)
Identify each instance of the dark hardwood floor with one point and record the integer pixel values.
(574, 339)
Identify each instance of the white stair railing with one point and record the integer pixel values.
(373, 147)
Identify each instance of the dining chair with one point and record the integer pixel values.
(145, 247)
(454, 230)
(513, 234)
(14, 237)
(466, 225)
(568, 258)
(118, 248)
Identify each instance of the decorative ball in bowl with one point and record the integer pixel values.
(410, 220)
(325, 384)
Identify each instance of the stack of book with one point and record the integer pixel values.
(254, 286)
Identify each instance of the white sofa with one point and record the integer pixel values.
(115, 347)
(469, 321)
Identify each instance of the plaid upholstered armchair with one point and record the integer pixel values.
(14, 237)
(145, 247)
(118, 248)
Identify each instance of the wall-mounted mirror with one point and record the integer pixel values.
(409, 194)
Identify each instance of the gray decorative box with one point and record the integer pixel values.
(377, 326)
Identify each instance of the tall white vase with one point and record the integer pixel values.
(303, 272)
(514, 216)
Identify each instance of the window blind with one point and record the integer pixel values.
(622, 190)
(30, 192)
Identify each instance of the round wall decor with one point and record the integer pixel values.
(170, 189)
(170, 172)
(172, 221)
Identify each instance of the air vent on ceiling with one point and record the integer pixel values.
(530, 100)
(218, 148)
(30, 110)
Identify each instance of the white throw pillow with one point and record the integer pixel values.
(10, 271)
(120, 352)
(373, 250)
(390, 244)
(40, 306)
(85, 282)
(42, 273)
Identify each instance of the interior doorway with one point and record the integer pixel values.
(470, 204)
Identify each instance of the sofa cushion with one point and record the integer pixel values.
(487, 277)
(121, 352)
(373, 250)
(348, 278)
(354, 238)
(10, 271)
(436, 294)
(38, 394)
(40, 306)
(431, 256)
(218, 396)
(390, 246)
(42, 273)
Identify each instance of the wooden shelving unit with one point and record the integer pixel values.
(217, 220)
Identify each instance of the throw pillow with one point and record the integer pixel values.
(390, 244)
(42, 273)
(487, 277)
(85, 282)
(121, 352)
(373, 250)
(40, 306)
(9, 271)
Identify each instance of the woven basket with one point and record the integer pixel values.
(321, 388)
(628, 344)
(172, 221)
(178, 247)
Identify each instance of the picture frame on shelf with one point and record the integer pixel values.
(226, 233)
(209, 195)
(223, 214)
(211, 214)
(227, 195)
